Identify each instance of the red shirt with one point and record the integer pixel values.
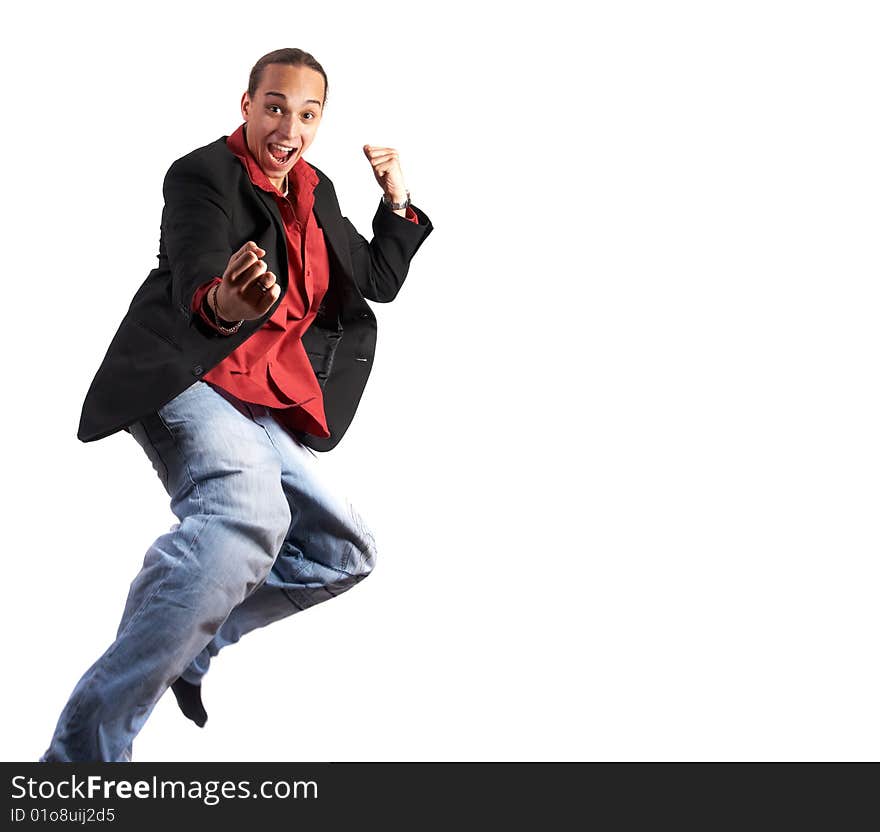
(271, 368)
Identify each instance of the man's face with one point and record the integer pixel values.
(285, 110)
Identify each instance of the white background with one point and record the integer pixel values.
(619, 450)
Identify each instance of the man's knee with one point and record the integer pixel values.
(362, 558)
(366, 558)
(358, 563)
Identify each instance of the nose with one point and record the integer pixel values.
(287, 136)
(287, 127)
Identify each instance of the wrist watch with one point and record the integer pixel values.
(396, 206)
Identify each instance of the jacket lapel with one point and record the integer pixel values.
(330, 220)
(271, 208)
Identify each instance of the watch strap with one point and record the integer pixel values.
(396, 206)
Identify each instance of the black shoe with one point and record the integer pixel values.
(189, 699)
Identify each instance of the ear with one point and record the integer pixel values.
(245, 105)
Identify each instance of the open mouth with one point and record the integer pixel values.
(281, 153)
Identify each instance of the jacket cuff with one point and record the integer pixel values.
(411, 233)
(198, 302)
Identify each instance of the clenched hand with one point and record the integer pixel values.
(385, 162)
(239, 296)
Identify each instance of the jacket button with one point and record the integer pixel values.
(365, 314)
(197, 370)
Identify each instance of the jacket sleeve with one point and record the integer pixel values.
(196, 223)
(381, 265)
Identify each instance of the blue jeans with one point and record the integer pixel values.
(260, 537)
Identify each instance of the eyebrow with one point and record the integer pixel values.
(282, 95)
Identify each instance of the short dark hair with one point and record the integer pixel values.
(291, 57)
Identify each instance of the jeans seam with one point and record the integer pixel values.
(287, 592)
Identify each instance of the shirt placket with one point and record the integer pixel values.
(289, 215)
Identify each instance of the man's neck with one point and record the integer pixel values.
(282, 185)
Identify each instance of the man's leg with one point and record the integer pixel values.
(327, 550)
(223, 476)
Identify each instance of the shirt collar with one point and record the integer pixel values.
(302, 177)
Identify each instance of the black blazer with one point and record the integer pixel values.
(211, 210)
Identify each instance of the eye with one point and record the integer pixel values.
(275, 106)
(310, 114)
